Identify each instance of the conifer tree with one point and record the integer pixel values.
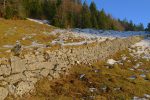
(94, 13)
(148, 27)
(86, 16)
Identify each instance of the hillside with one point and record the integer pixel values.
(41, 62)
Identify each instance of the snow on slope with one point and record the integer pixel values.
(39, 21)
(141, 49)
(88, 35)
(95, 35)
(108, 33)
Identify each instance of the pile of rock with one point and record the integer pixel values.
(18, 75)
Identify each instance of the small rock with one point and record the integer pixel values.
(143, 75)
(16, 49)
(111, 61)
(82, 75)
(77, 62)
(124, 58)
(131, 69)
(11, 89)
(92, 89)
(136, 66)
(117, 89)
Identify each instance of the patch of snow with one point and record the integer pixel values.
(35, 44)
(39, 21)
(8, 46)
(132, 77)
(90, 35)
(76, 43)
(100, 35)
(131, 69)
(136, 66)
(143, 75)
(141, 49)
(143, 43)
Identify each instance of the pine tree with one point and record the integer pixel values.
(102, 20)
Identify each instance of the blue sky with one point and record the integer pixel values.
(136, 10)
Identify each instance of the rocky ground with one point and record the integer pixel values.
(40, 62)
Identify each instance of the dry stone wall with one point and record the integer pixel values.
(19, 75)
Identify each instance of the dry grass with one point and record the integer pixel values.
(13, 30)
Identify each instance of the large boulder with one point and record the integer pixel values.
(15, 78)
(24, 87)
(5, 70)
(18, 65)
(3, 93)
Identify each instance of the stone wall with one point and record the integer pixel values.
(19, 74)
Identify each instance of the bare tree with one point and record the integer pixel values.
(4, 4)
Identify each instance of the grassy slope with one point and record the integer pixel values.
(13, 30)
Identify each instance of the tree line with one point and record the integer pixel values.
(65, 14)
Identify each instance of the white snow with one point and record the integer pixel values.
(92, 35)
(39, 21)
(141, 49)
(136, 66)
(143, 43)
(108, 33)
